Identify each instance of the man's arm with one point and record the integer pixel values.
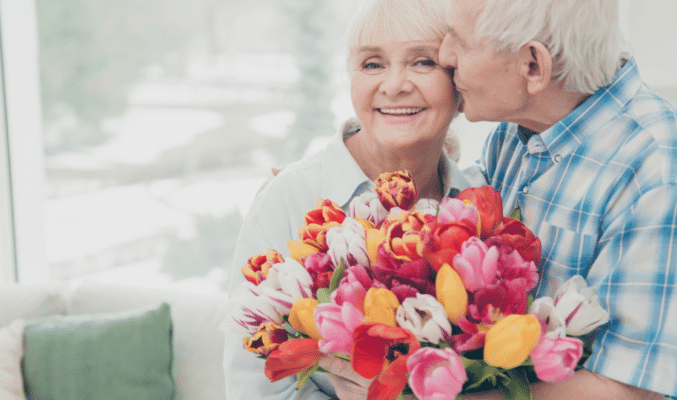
(583, 386)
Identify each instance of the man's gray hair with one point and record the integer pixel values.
(583, 36)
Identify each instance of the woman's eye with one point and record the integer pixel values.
(426, 63)
(371, 65)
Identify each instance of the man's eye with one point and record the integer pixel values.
(371, 65)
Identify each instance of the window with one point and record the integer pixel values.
(136, 133)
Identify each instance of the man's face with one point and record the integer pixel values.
(489, 82)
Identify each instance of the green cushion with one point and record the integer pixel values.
(99, 357)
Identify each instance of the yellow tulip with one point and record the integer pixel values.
(298, 249)
(374, 238)
(301, 317)
(380, 305)
(365, 224)
(451, 293)
(510, 341)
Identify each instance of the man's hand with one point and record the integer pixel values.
(349, 385)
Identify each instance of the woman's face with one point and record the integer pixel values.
(401, 94)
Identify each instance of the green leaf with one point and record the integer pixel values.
(479, 373)
(337, 276)
(516, 386)
(323, 295)
(517, 214)
(302, 377)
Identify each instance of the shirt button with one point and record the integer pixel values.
(525, 189)
(558, 158)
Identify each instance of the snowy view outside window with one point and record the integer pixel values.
(162, 118)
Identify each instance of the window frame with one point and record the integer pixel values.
(22, 169)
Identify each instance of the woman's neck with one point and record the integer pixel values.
(418, 160)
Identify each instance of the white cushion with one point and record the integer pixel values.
(30, 301)
(11, 350)
(198, 342)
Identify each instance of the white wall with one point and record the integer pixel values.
(651, 30)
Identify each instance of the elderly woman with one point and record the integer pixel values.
(404, 102)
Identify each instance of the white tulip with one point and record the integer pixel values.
(348, 242)
(252, 305)
(425, 317)
(368, 207)
(427, 206)
(579, 305)
(544, 309)
(291, 278)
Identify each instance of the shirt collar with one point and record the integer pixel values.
(577, 127)
(340, 173)
(343, 179)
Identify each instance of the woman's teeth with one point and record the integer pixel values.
(400, 111)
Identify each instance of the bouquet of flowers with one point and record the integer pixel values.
(430, 299)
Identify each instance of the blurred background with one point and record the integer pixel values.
(136, 132)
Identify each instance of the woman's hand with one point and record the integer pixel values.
(349, 385)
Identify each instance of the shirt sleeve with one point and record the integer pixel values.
(245, 379)
(635, 275)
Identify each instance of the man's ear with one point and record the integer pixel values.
(536, 66)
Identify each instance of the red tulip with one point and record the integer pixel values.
(376, 346)
(489, 205)
(442, 241)
(292, 357)
(521, 238)
(382, 349)
(396, 189)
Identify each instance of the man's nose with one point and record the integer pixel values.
(447, 55)
(396, 81)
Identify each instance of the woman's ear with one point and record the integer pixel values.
(536, 66)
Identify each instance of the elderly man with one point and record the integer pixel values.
(588, 153)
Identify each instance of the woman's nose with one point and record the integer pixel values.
(396, 81)
(447, 55)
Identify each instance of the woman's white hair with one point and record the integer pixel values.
(399, 20)
(583, 36)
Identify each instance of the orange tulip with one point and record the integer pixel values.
(256, 269)
(269, 336)
(318, 221)
(404, 236)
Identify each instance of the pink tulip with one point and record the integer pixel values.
(353, 287)
(476, 264)
(435, 374)
(511, 265)
(555, 359)
(336, 325)
(452, 210)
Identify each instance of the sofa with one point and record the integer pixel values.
(55, 322)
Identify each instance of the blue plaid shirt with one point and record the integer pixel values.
(600, 190)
